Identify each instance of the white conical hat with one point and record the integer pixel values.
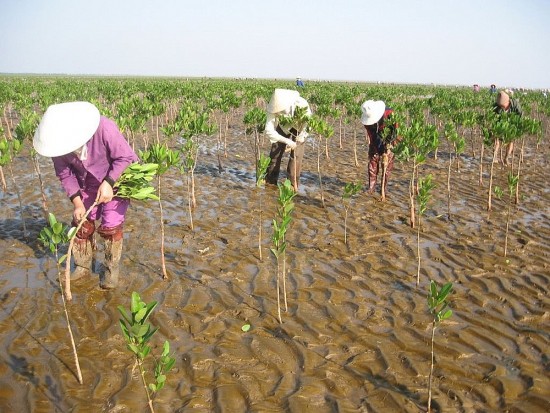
(282, 99)
(373, 110)
(65, 127)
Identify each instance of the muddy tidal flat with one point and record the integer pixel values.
(356, 333)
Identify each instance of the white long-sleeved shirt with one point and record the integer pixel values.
(273, 121)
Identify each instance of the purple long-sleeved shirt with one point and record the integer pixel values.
(108, 155)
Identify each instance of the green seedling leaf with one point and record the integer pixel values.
(71, 233)
(135, 303)
(124, 314)
(245, 327)
(51, 219)
(62, 259)
(150, 333)
(140, 314)
(57, 228)
(165, 349)
(447, 314)
(445, 290)
(134, 349)
(169, 364)
(150, 307)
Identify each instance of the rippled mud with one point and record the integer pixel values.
(356, 334)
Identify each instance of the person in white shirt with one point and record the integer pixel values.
(284, 103)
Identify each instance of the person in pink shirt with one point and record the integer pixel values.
(89, 154)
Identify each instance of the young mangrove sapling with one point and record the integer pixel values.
(425, 185)
(261, 172)
(165, 158)
(437, 304)
(52, 237)
(138, 332)
(350, 189)
(286, 206)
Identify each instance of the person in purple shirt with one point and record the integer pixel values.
(89, 154)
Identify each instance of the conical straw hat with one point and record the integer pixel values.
(282, 99)
(65, 127)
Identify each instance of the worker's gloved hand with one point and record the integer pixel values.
(104, 193)
(292, 145)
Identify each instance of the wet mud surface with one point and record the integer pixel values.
(356, 335)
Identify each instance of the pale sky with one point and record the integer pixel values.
(506, 42)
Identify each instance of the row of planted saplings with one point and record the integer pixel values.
(137, 331)
(419, 139)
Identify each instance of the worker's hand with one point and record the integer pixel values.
(104, 193)
(292, 145)
(79, 212)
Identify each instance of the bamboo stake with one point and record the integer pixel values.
(75, 354)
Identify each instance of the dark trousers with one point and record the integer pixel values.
(294, 166)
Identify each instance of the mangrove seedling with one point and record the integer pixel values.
(419, 139)
(9, 149)
(531, 127)
(4, 158)
(286, 206)
(255, 120)
(458, 143)
(137, 332)
(165, 158)
(25, 131)
(52, 236)
(425, 185)
(350, 189)
(438, 306)
(512, 188)
(323, 130)
(193, 123)
(261, 172)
